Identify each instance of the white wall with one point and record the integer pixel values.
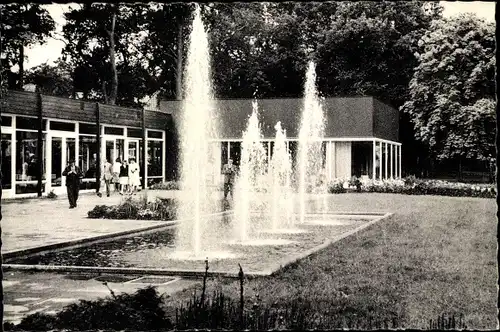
(343, 159)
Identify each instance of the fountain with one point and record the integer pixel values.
(280, 170)
(198, 126)
(251, 169)
(311, 135)
(249, 199)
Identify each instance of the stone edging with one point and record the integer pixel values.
(328, 242)
(77, 243)
(133, 271)
(188, 273)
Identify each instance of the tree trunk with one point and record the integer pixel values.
(21, 67)
(114, 80)
(460, 177)
(179, 72)
(105, 93)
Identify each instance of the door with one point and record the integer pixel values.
(62, 149)
(113, 149)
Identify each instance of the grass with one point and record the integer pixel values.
(435, 256)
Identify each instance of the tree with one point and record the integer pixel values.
(54, 80)
(22, 25)
(102, 46)
(368, 49)
(452, 92)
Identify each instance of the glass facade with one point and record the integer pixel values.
(66, 140)
(87, 154)
(6, 160)
(155, 158)
(26, 162)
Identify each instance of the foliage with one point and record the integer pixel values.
(52, 195)
(336, 186)
(139, 311)
(54, 80)
(160, 209)
(86, 31)
(22, 25)
(414, 186)
(169, 185)
(448, 322)
(368, 48)
(452, 92)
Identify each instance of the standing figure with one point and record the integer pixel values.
(107, 176)
(123, 177)
(229, 172)
(134, 180)
(116, 174)
(73, 176)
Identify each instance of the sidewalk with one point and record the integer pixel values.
(35, 222)
(27, 293)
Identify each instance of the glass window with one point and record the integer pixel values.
(88, 156)
(26, 162)
(294, 149)
(224, 156)
(134, 132)
(113, 131)
(6, 161)
(155, 134)
(56, 156)
(29, 123)
(85, 128)
(323, 154)
(6, 121)
(235, 152)
(265, 144)
(63, 126)
(155, 160)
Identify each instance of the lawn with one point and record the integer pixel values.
(435, 255)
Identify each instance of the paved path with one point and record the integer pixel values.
(31, 223)
(27, 293)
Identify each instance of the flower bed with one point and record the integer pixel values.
(169, 185)
(160, 209)
(413, 186)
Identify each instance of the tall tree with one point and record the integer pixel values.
(22, 25)
(96, 31)
(452, 92)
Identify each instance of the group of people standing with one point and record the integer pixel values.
(122, 175)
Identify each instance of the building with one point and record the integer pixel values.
(41, 133)
(359, 131)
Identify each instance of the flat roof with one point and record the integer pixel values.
(345, 117)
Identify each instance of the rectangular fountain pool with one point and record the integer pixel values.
(262, 253)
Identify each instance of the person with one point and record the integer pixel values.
(116, 174)
(73, 176)
(229, 172)
(134, 180)
(107, 176)
(123, 177)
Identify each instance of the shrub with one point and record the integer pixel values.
(139, 311)
(52, 195)
(169, 185)
(160, 209)
(414, 186)
(355, 182)
(336, 187)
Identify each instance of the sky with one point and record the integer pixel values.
(51, 50)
